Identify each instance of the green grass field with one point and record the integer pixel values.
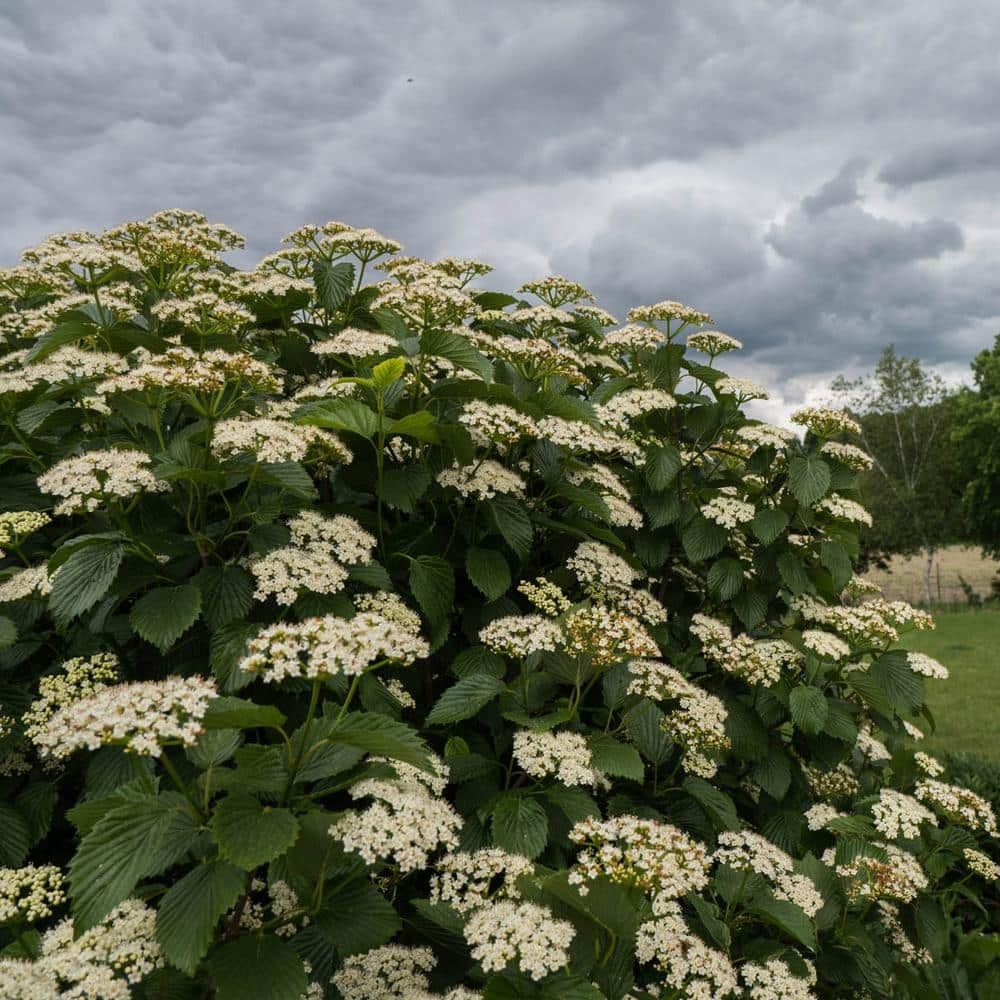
(966, 707)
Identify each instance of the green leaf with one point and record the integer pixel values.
(808, 479)
(716, 803)
(433, 585)
(750, 607)
(291, 477)
(520, 825)
(238, 713)
(387, 373)
(341, 415)
(663, 462)
(226, 594)
(465, 699)
(768, 523)
(249, 834)
(333, 283)
(8, 633)
(190, 909)
(793, 573)
(617, 759)
(83, 580)
(421, 425)
(458, 350)
(260, 966)
(357, 918)
(787, 917)
(512, 523)
(381, 735)
(489, 571)
(15, 836)
(708, 914)
(725, 579)
(59, 336)
(478, 659)
(834, 558)
(903, 688)
(643, 723)
(163, 615)
(808, 708)
(703, 539)
(574, 803)
(120, 849)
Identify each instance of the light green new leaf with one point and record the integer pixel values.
(387, 373)
(190, 909)
(163, 615)
(489, 571)
(421, 425)
(340, 415)
(250, 834)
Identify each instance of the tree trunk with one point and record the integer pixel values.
(927, 576)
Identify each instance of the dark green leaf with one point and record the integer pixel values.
(333, 283)
(433, 585)
(226, 594)
(260, 966)
(489, 571)
(808, 479)
(238, 713)
(703, 539)
(163, 615)
(617, 759)
(465, 699)
(768, 523)
(84, 579)
(249, 834)
(725, 579)
(808, 708)
(520, 825)
(341, 415)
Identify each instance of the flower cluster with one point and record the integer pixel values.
(959, 805)
(484, 480)
(277, 441)
(86, 482)
(469, 880)
(30, 893)
(506, 931)
(899, 815)
(562, 755)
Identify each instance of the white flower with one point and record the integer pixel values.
(563, 755)
(819, 815)
(982, 864)
(960, 805)
(276, 440)
(629, 404)
(927, 666)
(518, 636)
(142, 716)
(30, 893)
(26, 582)
(900, 815)
(728, 511)
(357, 344)
(847, 510)
(825, 644)
(524, 933)
(483, 480)
(392, 972)
(848, 454)
(600, 569)
(78, 678)
(668, 310)
(825, 422)
(742, 388)
(774, 980)
(87, 481)
(469, 880)
(713, 342)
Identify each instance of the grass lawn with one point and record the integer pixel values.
(966, 707)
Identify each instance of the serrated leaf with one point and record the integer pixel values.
(620, 760)
(357, 918)
(489, 571)
(703, 539)
(291, 477)
(793, 573)
(238, 713)
(835, 560)
(478, 659)
(458, 350)
(768, 523)
(249, 834)
(421, 425)
(512, 523)
(788, 917)
(163, 615)
(573, 802)
(340, 415)
(260, 966)
(119, 850)
(8, 633)
(774, 773)
(84, 579)
(15, 836)
(226, 594)
(520, 825)
(725, 579)
(643, 723)
(663, 462)
(387, 373)
(808, 479)
(433, 585)
(808, 708)
(190, 909)
(714, 801)
(465, 699)
(333, 283)
(903, 688)
(750, 607)
(378, 734)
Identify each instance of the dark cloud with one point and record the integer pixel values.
(734, 154)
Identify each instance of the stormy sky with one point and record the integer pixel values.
(820, 176)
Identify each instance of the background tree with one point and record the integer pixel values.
(976, 438)
(914, 490)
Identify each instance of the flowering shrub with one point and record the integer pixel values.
(407, 639)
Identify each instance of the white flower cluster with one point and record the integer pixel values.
(321, 549)
(392, 972)
(466, 880)
(899, 815)
(927, 666)
(765, 435)
(614, 492)
(277, 441)
(849, 455)
(713, 342)
(982, 864)
(355, 343)
(87, 481)
(748, 851)
(958, 804)
(30, 893)
(774, 980)
(632, 338)
(900, 876)
(495, 422)
(606, 636)
(556, 290)
(507, 931)
(407, 821)
(562, 755)
(689, 966)
(820, 814)
(896, 933)
(727, 511)
(78, 678)
(872, 623)
(825, 422)
(68, 366)
(186, 371)
(15, 525)
(844, 509)
(103, 963)
(545, 595)
(657, 857)
(927, 764)
(599, 569)
(518, 636)
(142, 717)
(666, 311)
(838, 783)
(742, 388)
(630, 404)
(483, 480)
(825, 645)
(757, 662)
(328, 646)
(577, 436)
(26, 582)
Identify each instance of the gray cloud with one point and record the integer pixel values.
(738, 155)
